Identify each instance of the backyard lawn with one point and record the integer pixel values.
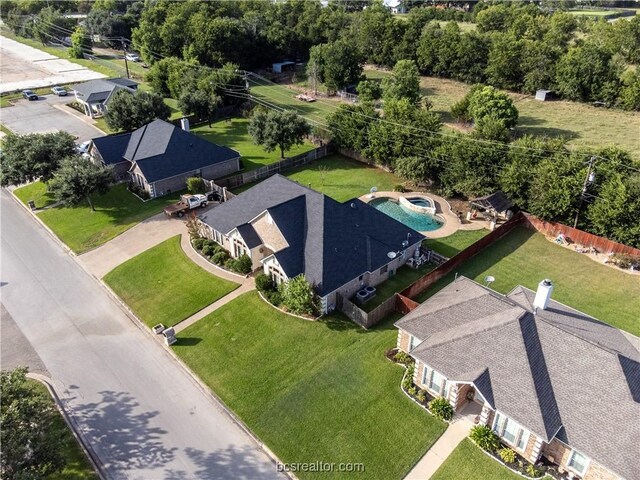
(234, 135)
(116, 211)
(36, 191)
(404, 277)
(312, 391)
(468, 461)
(524, 257)
(162, 285)
(339, 177)
(76, 464)
(454, 244)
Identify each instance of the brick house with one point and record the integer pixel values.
(159, 157)
(288, 229)
(551, 381)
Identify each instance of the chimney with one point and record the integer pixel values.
(184, 123)
(545, 288)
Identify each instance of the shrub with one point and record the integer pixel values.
(220, 257)
(399, 188)
(195, 185)
(507, 455)
(298, 296)
(198, 243)
(229, 263)
(485, 438)
(242, 264)
(408, 378)
(264, 283)
(421, 396)
(139, 191)
(207, 250)
(441, 408)
(273, 297)
(412, 391)
(404, 358)
(532, 471)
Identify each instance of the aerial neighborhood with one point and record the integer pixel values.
(369, 239)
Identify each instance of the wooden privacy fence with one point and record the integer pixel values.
(362, 318)
(552, 229)
(268, 170)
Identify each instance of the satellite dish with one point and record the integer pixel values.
(391, 255)
(489, 279)
(373, 190)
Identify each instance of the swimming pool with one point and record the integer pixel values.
(422, 222)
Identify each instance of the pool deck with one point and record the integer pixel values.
(443, 212)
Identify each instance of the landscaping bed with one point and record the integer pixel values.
(219, 256)
(162, 285)
(312, 391)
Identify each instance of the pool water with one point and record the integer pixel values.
(422, 222)
(421, 202)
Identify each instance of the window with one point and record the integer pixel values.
(510, 431)
(437, 382)
(360, 277)
(413, 342)
(384, 269)
(578, 462)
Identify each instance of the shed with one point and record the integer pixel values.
(497, 203)
(544, 95)
(286, 66)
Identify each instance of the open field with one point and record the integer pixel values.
(454, 244)
(581, 123)
(116, 211)
(468, 461)
(311, 390)
(339, 177)
(524, 257)
(36, 191)
(76, 463)
(162, 285)
(234, 135)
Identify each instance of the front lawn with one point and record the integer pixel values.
(162, 285)
(76, 464)
(524, 257)
(116, 211)
(454, 244)
(36, 191)
(312, 391)
(468, 461)
(234, 135)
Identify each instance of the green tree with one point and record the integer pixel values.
(195, 185)
(629, 98)
(403, 82)
(31, 446)
(487, 102)
(340, 64)
(350, 125)
(276, 129)
(80, 43)
(298, 296)
(77, 179)
(369, 90)
(127, 111)
(417, 169)
(26, 158)
(503, 64)
(199, 103)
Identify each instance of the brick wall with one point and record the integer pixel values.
(463, 389)
(595, 471)
(418, 375)
(403, 341)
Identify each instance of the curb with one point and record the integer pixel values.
(84, 445)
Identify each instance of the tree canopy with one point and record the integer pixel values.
(275, 129)
(77, 179)
(403, 82)
(127, 111)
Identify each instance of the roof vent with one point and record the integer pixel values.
(543, 295)
(352, 205)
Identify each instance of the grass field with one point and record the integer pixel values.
(312, 391)
(581, 123)
(76, 463)
(344, 178)
(468, 461)
(234, 135)
(404, 277)
(524, 257)
(454, 244)
(162, 285)
(36, 191)
(117, 211)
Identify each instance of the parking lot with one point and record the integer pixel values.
(48, 114)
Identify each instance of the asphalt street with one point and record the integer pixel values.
(141, 412)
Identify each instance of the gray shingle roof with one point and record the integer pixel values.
(330, 242)
(111, 147)
(162, 150)
(556, 371)
(98, 91)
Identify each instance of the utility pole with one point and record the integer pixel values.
(587, 181)
(124, 50)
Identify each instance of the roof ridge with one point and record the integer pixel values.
(144, 129)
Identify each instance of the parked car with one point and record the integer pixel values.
(59, 91)
(29, 95)
(83, 148)
(186, 203)
(132, 57)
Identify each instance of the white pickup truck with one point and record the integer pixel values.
(186, 203)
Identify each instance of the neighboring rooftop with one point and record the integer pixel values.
(98, 91)
(556, 371)
(330, 242)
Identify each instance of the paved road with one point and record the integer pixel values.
(142, 413)
(42, 116)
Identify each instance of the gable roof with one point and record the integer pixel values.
(162, 150)
(330, 242)
(557, 372)
(111, 147)
(100, 90)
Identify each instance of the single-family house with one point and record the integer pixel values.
(288, 229)
(396, 6)
(94, 95)
(159, 157)
(550, 380)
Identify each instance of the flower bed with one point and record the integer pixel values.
(219, 256)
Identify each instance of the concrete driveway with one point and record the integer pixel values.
(48, 114)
